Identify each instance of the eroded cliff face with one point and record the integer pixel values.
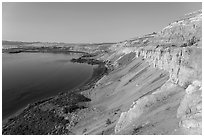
(177, 49)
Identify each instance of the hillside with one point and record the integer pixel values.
(155, 86)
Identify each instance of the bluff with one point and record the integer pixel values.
(177, 49)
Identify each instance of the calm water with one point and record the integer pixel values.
(28, 77)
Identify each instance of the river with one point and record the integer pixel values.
(28, 77)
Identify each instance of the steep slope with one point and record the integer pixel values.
(176, 49)
(156, 82)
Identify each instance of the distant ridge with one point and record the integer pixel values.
(5, 42)
(8, 42)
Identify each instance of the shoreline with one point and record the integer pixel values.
(98, 73)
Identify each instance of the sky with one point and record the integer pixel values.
(88, 22)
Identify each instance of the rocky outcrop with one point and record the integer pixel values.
(146, 107)
(190, 109)
(181, 63)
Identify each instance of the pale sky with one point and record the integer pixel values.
(88, 22)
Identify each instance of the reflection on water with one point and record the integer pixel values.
(28, 77)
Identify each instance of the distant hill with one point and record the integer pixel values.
(5, 42)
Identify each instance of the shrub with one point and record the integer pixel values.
(108, 121)
(186, 84)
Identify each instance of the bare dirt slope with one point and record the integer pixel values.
(155, 87)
